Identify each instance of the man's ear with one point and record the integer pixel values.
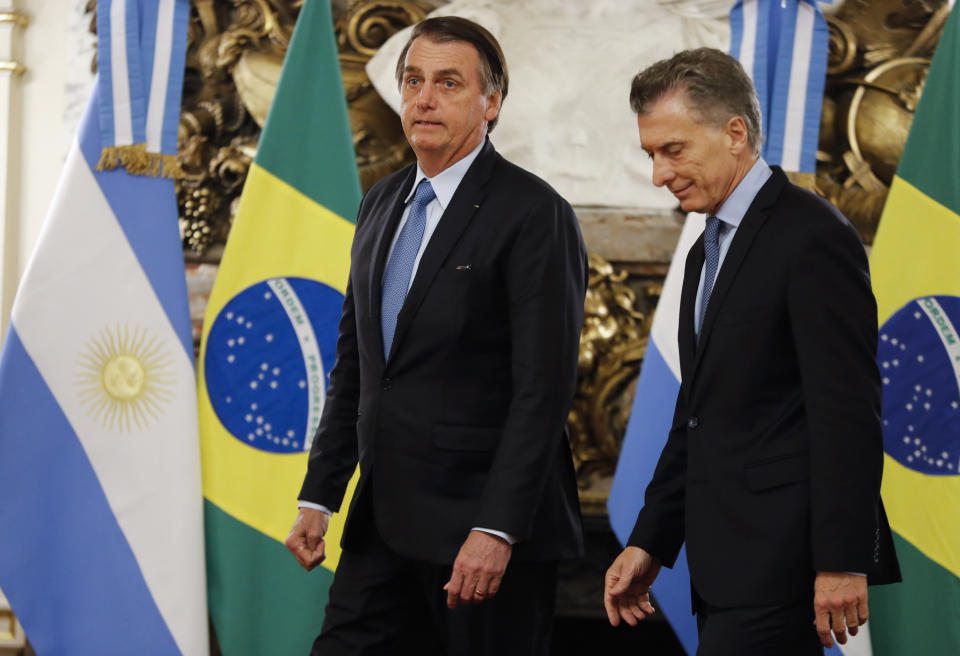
(739, 138)
(493, 105)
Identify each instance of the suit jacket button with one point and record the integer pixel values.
(387, 384)
(693, 422)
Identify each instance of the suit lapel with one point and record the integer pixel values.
(464, 204)
(752, 221)
(393, 206)
(688, 300)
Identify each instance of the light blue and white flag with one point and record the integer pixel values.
(782, 44)
(101, 550)
(650, 420)
(141, 52)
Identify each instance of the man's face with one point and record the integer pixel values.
(443, 109)
(699, 163)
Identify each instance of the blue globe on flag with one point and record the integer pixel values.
(268, 360)
(919, 358)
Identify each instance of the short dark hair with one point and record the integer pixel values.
(493, 65)
(716, 86)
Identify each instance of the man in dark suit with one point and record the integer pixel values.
(771, 472)
(456, 366)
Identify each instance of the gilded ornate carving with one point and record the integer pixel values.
(377, 136)
(368, 23)
(235, 53)
(878, 60)
(612, 346)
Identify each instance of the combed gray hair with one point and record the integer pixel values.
(716, 86)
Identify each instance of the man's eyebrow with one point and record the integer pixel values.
(446, 72)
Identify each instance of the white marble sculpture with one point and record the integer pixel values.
(567, 117)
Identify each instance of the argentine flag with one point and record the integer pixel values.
(782, 45)
(101, 550)
(650, 420)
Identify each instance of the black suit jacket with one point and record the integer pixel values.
(464, 425)
(772, 468)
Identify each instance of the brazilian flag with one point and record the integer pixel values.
(269, 342)
(916, 277)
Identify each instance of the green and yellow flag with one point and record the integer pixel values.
(269, 342)
(916, 277)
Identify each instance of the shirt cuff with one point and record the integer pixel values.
(500, 534)
(314, 506)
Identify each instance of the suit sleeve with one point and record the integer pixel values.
(659, 527)
(333, 454)
(546, 277)
(833, 316)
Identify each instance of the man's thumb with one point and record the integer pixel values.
(619, 582)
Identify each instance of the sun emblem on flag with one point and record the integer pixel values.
(125, 377)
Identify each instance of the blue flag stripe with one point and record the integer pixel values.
(147, 50)
(138, 88)
(178, 58)
(816, 81)
(650, 419)
(105, 73)
(783, 23)
(72, 547)
(761, 64)
(788, 142)
(736, 30)
(164, 58)
(146, 209)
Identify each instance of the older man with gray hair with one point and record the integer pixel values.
(771, 472)
(456, 366)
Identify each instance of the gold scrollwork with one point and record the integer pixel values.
(372, 22)
(877, 63)
(234, 55)
(612, 346)
(842, 47)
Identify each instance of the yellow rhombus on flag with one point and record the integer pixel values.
(269, 342)
(916, 277)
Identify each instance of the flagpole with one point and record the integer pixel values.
(11, 100)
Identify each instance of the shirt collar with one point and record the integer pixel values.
(735, 207)
(446, 182)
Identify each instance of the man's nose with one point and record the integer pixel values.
(426, 97)
(662, 172)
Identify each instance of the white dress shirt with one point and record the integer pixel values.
(444, 185)
(731, 213)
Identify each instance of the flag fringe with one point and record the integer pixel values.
(137, 161)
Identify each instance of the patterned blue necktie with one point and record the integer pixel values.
(396, 279)
(711, 247)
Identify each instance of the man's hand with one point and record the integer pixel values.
(626, 592)
(478, 569)
(840, 604)
(305, 541)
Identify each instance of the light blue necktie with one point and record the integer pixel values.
(396, 279)
(711, 248)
